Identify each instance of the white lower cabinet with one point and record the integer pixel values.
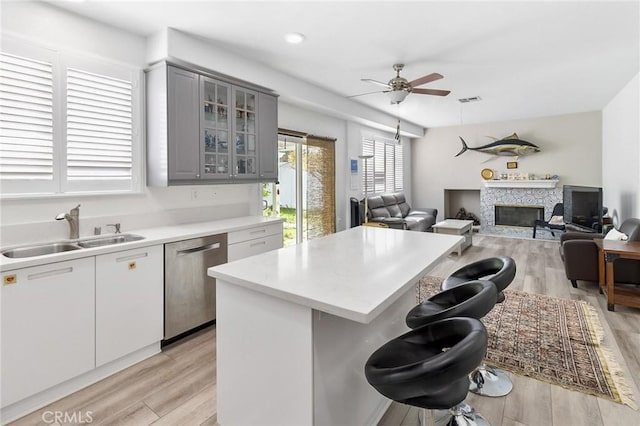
(253, 247)
(67, 324)
(252, 241)
(48, 328)
(129, 301)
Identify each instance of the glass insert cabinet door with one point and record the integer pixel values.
(245, 151)
(215, 119)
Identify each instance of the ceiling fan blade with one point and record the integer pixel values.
(426, 79)
(379, 83)
(435, 92)
(368, 93)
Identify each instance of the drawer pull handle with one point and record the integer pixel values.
(10, 279)
(259, 243)
(259, 231)
(50, 273)
(132, 257)
(199, 249)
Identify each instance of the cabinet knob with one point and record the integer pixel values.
(198, 176)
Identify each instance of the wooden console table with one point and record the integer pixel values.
(608, 252)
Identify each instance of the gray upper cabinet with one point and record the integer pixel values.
(183, 125)
(245, 132)
(215, 129)
(268, 131)
(206, 130)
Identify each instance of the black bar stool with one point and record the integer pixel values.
(429, 367)
(473, 299)
(501, 270)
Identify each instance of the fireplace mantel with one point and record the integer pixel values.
(528, 183)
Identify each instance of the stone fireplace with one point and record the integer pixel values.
(527, 199)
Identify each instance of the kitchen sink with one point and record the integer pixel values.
(107, 241)
(39, 250)
(59, 247)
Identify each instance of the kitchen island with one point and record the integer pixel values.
(295, 326)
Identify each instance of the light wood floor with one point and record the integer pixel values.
(178, 386)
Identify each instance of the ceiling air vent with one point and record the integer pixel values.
(471, 99)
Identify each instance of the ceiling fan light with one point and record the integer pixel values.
(397, 96)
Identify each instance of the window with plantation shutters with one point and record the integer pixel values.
(99, 132)
(26, 120)
(385, 170)
(399, 168)
(67, 124)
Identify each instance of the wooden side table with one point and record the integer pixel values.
(456, 227)
(608, 252)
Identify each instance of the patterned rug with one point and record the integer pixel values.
(550, 339)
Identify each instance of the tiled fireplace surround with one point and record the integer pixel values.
(489, 197)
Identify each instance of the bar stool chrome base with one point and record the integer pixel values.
(490, 381)
(461, 415)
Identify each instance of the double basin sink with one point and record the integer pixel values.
(59, 247)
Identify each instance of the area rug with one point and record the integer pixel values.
(555, 340)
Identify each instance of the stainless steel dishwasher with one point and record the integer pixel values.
(189, 293)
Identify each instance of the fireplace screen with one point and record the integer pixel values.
(522, 216)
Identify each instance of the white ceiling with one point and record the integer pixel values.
(524, 59)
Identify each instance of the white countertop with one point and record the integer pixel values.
(152, 236)
(354, 274)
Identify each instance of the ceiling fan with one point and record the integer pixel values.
(398, 87)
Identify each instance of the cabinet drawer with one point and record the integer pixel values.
(253, 247)
(254, 233)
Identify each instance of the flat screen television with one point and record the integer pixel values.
(583, 207)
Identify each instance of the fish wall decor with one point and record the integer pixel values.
(510, 146)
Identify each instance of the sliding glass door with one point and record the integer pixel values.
(305, 194)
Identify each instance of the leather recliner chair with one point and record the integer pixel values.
(580, 256)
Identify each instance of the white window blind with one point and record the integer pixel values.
(68, 123)
(26, 119)
(398, 184)
(99, 127)
(385, 170)
(389, 165)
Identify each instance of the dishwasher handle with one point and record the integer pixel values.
(200, 249)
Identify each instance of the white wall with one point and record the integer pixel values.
(59, 29)
(570, 145)
(621, 153)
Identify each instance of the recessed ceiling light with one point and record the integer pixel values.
(294, 38)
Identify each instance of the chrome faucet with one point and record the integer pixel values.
(116, 227)
(73, 217)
